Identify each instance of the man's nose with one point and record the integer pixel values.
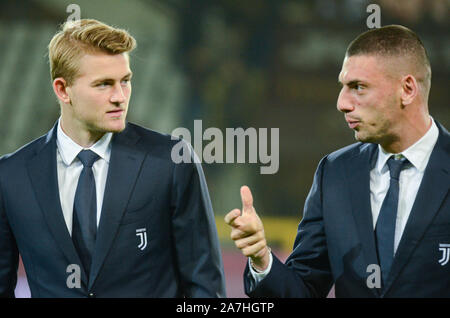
(118, 96)
(344, 103)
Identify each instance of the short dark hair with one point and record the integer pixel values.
(394, 41)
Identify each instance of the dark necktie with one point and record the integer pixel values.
(84, 225)
(385, 228)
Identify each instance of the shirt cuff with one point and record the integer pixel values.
(260, 275)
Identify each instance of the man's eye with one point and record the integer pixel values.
(358, 87)
(103, 84)
(126, 81)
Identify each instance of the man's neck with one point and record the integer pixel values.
(408, 136)
(82, 137)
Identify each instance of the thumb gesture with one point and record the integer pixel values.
(247, 200)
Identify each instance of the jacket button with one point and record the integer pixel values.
(91, 295)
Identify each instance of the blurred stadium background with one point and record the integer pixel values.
(230, 63)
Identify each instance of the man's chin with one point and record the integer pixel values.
(118, 130)
(367, 138)
(116, 127)
(360, 136)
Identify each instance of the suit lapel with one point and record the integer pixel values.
(124, 167)
(42, 170)
(358, 173)
(432, 191)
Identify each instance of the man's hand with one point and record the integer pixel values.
(248, 231)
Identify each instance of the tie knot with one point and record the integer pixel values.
(396, 166)
(87, 158)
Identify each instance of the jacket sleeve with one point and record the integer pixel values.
(9, 255)
(306, 272)
(195, 234)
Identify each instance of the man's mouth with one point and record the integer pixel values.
(116, 113)
(352, 123)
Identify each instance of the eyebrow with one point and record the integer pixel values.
(352, 82)
(107, 79)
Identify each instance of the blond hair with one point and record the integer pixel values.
(81, 37)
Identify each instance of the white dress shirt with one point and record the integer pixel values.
(69, 168)
(410, 178)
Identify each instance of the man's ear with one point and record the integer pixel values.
(410, 89)
(61, 90)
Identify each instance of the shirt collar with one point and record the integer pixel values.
(69, 149)
(417, 154)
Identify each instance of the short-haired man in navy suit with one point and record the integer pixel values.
(97, 207)
(376, 222)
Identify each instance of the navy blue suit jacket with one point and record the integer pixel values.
(335, 241)
(145, 191)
